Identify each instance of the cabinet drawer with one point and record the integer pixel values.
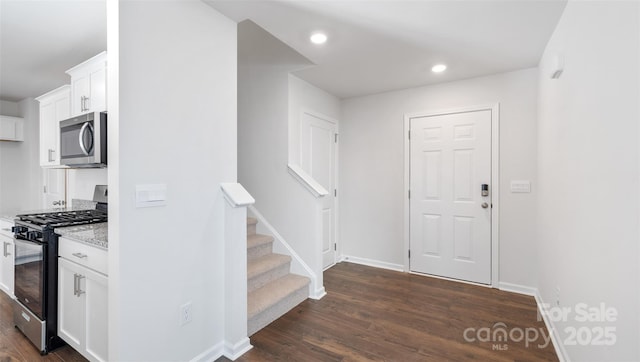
(83, 254)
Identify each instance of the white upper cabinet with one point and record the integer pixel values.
(54, 107)
(89, 85)
(11, 128)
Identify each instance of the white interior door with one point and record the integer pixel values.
(318, 151)
(54, 190)
(450, 219)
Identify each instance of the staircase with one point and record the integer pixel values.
(273, 291)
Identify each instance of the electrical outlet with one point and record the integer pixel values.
(186, 313)
(557, 296)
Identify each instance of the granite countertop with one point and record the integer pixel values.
(93, 234)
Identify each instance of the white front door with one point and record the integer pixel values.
(317, 146)
(450, 219)
(54, 181)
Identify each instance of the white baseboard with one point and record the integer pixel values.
(563, 356)
(210, 354)
(318, 294)
(517, 288)
(373, 263)
(233, 351)
(553, 331)
(224, 348)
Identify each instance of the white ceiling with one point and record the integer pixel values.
(373, 46)
(376, 46)
(40, 40)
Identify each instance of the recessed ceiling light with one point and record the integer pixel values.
(318, 38)
(439, 68)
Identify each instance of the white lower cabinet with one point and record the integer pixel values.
(7, 265)
(82, 308)
(7, 259)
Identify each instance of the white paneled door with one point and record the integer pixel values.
(318, 153)
(450, 218)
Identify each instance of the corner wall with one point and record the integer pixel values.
(21, 175)
(372, 167)
(588, 156)
(172, 107)
(263, 144)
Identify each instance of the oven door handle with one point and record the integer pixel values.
(86, 150)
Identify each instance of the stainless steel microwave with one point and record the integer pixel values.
(83, 140)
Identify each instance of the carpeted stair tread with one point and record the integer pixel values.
(265, 263)
(251, 220)
(273, 292)
(256, 240)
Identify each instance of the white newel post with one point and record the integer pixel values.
(235, 236)
(316, 288)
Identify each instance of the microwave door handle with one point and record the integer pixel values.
(81, 138)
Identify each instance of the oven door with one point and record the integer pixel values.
(30, 275)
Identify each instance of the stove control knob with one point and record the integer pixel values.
(18, 229)
(33, 235)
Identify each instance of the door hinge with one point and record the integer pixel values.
(409, 253)
(335, 247)
(409, 193)
(409, 135)
(335, 192)
(44, 189)
(336, 138)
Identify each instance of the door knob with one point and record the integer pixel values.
(485, 205)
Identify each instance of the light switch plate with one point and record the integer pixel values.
(151, 195)
(520, 186)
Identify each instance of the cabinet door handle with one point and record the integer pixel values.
(51, 158)
(5, 249)
(80, 291)
(79, 255)
(75, 284)
(83, 104)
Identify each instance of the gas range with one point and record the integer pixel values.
(36, 268)
(39, 226)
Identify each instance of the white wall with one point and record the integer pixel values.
(588, 237)
(8, 108)
(263, 132)
(172, 106)
(304, 96)
(81, 182)
(20, 172)
(372, 167)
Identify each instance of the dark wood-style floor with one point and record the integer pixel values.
(371, 314)
(16, 347)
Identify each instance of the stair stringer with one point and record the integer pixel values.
(280, 246)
